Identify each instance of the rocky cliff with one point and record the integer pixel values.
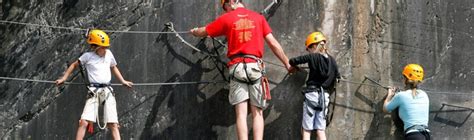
(368, 38)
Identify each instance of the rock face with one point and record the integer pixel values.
(373, 39)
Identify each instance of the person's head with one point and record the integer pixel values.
(229, 5)
(99, 41)
(316, 43)
(413, 74)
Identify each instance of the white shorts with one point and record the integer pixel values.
(91, 107)
(312, 119)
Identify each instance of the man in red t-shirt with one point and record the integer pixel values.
(246, 31)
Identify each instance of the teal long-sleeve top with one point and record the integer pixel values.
(412, 110)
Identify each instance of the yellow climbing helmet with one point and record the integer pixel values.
(314, 37)
(98, 37)
(413, 72)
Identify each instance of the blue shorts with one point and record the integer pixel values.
(313, 119)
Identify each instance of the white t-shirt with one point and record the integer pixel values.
(98, 68)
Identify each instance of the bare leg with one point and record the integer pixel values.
(241, 110)
(305, 134)
(81, 130)
(321, 134)
(115, 130)
(258, 122)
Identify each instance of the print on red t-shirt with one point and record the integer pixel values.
(245, 31)
(244, 28)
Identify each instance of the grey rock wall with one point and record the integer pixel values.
(369, 38)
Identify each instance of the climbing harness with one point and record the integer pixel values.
(315, 101)
(423, 129)
(100, 94)
(417, 128)
(249, 79)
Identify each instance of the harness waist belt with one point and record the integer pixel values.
(315, 88)
(98, 85)
(245, 56)
(417, 128)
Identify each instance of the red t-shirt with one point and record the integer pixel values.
(245, 31)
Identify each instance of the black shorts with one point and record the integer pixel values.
(417, 136)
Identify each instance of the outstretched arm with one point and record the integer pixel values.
(119, 76)
(278, 51)
(199, 31)
(68, 72)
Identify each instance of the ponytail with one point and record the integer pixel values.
(412, 84)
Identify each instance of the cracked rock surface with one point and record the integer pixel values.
(370, 38)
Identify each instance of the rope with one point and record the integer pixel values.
(116, 84)
(217, 82)
(170, 26)
(82, 29)
(359, 83)
(424, 89)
